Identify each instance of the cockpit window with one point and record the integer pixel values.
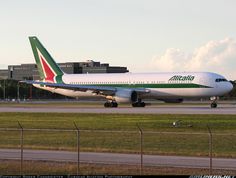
(221, 80)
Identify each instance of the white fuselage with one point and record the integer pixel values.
(160, 85)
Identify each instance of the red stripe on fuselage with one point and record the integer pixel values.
(49, 75)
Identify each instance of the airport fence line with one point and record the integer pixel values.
(139, 142)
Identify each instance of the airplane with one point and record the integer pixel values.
(170, 87)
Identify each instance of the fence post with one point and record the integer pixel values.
(210, 148)
(78, 148)
(141, 149)
(21, 147)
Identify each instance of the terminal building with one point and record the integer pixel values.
(3, 74)
(30, 72)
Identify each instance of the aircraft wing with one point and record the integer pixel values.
(105, 90)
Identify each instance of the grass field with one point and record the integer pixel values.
(190, 138)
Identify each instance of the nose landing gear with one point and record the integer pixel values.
(214, 100)
(214, 105)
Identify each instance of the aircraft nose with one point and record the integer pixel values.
(230, 86)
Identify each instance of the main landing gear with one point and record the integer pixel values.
(114, 104)
(139, 103)
(214, 101)
(110, 104)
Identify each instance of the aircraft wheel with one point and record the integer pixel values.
(213, 105)
(114, 104)
(143, 104)
(110, 104)
(107, 104)
(139, 104)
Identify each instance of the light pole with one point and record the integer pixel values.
(18, 92)
(4, 89)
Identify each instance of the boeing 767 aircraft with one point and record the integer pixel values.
(127, 87)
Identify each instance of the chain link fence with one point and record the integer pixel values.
(139, 143)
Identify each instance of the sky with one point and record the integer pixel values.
(144, 35)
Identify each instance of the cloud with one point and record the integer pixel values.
(214, 56)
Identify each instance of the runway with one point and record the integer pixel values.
(157, 109)
(115, 158)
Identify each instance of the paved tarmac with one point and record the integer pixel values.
(161, 109)
(115, 158)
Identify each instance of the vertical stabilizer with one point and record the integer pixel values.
(48, 69)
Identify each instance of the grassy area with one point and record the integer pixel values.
(148, 122)
(182, 140)
(55, 168)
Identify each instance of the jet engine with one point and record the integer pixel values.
(126, 96)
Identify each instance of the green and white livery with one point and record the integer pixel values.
(127, 87)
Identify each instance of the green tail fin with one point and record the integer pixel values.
(47, 67)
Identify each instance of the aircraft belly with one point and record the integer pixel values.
(181, 92)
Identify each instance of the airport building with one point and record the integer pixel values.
(30, 72)
(3, 74)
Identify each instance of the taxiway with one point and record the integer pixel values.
(162, 109)
(116, 158)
